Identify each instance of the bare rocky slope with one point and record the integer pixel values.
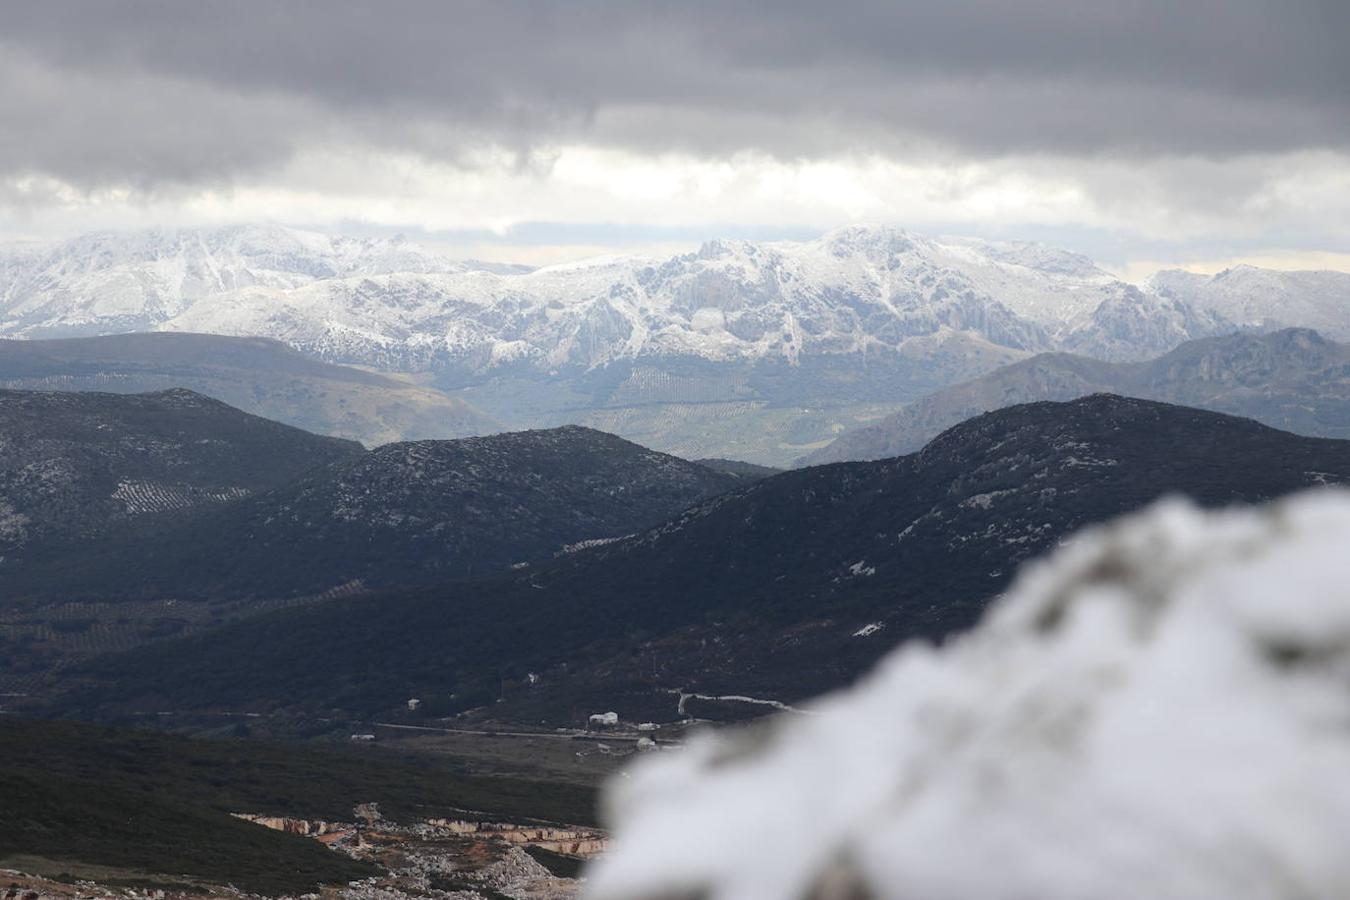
(1293, 379)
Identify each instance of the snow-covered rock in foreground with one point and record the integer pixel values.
(1162, 710)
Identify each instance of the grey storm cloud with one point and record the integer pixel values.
(163, 91)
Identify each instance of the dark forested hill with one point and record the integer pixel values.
(74, 467)
(401, 514)
(783, 588)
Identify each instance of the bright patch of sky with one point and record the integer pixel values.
(514, 130)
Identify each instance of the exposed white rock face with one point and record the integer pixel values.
(1161, 710)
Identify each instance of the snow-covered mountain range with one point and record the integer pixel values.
(1264, 299)
(861, 317)
(393, 304)
(110, 282)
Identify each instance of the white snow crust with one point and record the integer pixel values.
(1161, 709)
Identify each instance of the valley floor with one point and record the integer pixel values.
(91, 812)
(440, 858)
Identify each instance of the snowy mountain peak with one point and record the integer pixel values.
(874, 241)
(1031, 255)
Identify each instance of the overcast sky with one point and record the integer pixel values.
(1144, 133)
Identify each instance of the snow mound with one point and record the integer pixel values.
(1161, 709)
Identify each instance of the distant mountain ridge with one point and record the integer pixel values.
(780, 589)
(1293, 379)
(258, 375)
(743, 470)
(797, 340)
